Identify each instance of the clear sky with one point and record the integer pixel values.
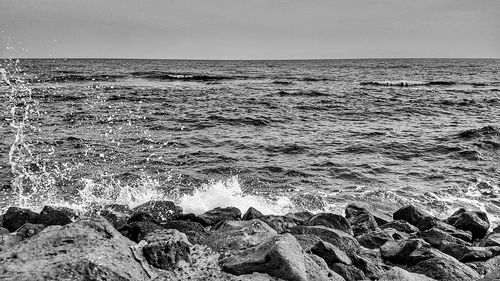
(249, 29)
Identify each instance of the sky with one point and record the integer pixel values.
(249, 29)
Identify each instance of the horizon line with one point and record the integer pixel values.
(215, 59)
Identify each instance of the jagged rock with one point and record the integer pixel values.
(338, 238)
(374, 239)
(399, 274)
(281, 224)
(491, 240)
(400, 225)
(9, 240)
(29, 230)
(136, 231)
(4, 231)
(348, 272)
(15, 217)
(85, 250)
(219, 214)
(238, 235)
(159, 210)
(436, 236)
(447, 269)
(414, 216)
(51, 215)
(251, 214)
(331, 221)
(465, 253)
(141, 217)
(330, 253)
(166, 248)
(193, 230)
(360, 219)
(453, 231)
(300, 217)
(475, 222)
(280, 256)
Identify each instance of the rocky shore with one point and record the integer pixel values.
(158, 241)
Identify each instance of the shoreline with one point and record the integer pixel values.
(158, 241)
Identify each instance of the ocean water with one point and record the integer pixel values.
(276, 135)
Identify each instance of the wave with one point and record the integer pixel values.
(254, 121)
(486, 131)
(408, 83)
(302, 94)
(70, 77)
(169, 76)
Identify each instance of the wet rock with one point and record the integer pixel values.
(300, 217)
(348, 272)
(475, 222)
(400, 225)
(330, 253)
(166, 248)
(465, 253)
(219, 214)
(360, 219)
(279, 256)
(251, 214)
(136, 231)
(56, 216)
(448, 269)
(344, 241)
(491, 240)
(427, 223)
(15, 217)
(118, 220)
(159, 210)
(281, 224)
(436, 236)
(85, 250)
(412, 215)
(238, 235)
(29, 230)
(141, 217)
(193, 230)
(331, 221)
(399, 274)
(375, 239)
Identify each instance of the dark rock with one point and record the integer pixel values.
(300, 217)
(251, 214)
(371, 269)
(331, 221)
(348, 272)
(4, 231)
(475, 222)
(281, 224)
(187, 217)
(374, 239)
(448, 269)
(453, 231)
(399, 274)
(117, 219)
(141, 217)
(29, 230)
(496, 229)
(410, 214)
(238, 235)
(436, 236)
(330, 253)
(406, 252)
(219, 214)
(56, 216)
(136, 231)
(344, 241)
(159, 210)
(193, 230)
(360, 219)
(465, 253)
(491, 240)
(16, 217)
(427, 223)
(166, 248)
(453, 218)
(85, 250)
(279, 256)
(400, 225)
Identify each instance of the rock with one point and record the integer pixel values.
(496, 229)
(492, 276)
(279, 256)
(9, 240)
(88, 249)
(29, 230)
(412, 215)
(300, 217)
(15, 217)
(117, 219)
(436, 236)
(399, 274)
(238, 235)
(453, 231)
(400, 225)
(330, 253)
(142, 217)
(360, 219)
(4, 231)
(407, 252)
(159, 210)
(348, 272)
(453, 218)
(307, 241)
(193, 230)
(219, 214)
(427, 223)
(374, 239)
(465, 253)
(485, 267)
(56, 216)
(251, 214)
(447, 269)
(475, 222)
(136, 231)
(370, 269)
(491, 240)
(338, 238)
(281, 224)
(166, 248)
(331, 221)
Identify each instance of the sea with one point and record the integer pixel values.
(280, 136)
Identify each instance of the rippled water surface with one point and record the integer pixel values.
(320, 133)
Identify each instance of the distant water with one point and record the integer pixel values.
(279, 135)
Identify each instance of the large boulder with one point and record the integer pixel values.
(51, 215)
(344, 241)
(219, 214)
(465, 235)
(475, 222)
(279, 256)
(360, 219)
(375, 239)
(413, 215)
(159, 210)
(16, 217)
(251, 214)
(330, 220)
(88, 249)
(436, 236)
(166, 248)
